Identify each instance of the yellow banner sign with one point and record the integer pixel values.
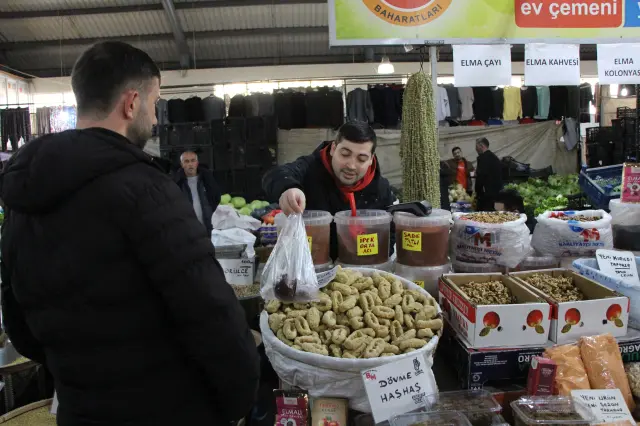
(372, 22)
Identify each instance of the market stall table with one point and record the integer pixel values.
(11, 363)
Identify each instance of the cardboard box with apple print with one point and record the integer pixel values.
(483, 326)
(602, 311)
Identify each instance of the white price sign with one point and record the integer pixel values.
(482, 65)
(621, 264)
(551, 64)
(607, 405)
(398, 387)
(619, 63)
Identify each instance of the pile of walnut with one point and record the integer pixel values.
(358, 317)
(488, 293)
(561, 289)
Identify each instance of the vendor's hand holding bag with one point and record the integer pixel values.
(289, 274)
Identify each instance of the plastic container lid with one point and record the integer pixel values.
(525, 408)
(316, 218)
(323, 268)
(364, 217)
(386, 266)
(429, 275)
(452, 418)
(438, 217)
(477, 401)
(476, 268)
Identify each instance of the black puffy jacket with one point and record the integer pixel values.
(110, 280)
(319, 186)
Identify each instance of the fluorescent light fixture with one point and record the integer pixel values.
(624, 92)
(385, 67)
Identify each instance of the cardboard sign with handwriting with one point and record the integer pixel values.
(621, 264)
(607, 405)
(398, 387)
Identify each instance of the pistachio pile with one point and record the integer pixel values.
(561, 289)
(579, 218)
(492, 217)
(487, 293)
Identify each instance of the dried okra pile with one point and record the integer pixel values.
(358, 317)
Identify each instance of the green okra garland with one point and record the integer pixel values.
(419, 142)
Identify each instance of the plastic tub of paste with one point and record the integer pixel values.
(423, 241)
(363, 240)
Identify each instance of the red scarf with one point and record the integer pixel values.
(347, 191)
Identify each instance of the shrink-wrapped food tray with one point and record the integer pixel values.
(324, 375)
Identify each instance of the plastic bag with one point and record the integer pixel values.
(569, 238)
(505, 244)
(625, 222)
(570, 374)
(603, 362)
(321, 375)
(289, 274)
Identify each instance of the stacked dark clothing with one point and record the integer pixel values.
(497, 93)
(529, 101)
(387, 104)
(177, 111)
(482, 103)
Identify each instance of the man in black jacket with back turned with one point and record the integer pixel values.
(338, 175)
(488, 176)
(108, 278)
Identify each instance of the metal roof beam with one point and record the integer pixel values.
(178, 34)
(27, 45)
(149, 8)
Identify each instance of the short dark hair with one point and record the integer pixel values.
(105, 70)
(511, 199)
(483, 141)
(455, 148)
(357, 132)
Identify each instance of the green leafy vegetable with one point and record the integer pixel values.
(540, 196)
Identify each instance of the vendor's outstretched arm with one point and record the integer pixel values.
(291, 175)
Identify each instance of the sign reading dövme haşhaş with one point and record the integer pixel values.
(398, 387)
(375, 22)
(482, 65)
(619, 63)
(551, 64)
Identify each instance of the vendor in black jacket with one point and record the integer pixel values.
(488, 176)
(338, 175)
(108, 278)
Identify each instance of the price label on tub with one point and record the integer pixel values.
(310, 240)
(398, 387)
(607, 405)
(412, 241)
(621, 264)
(419, 283)
(368, 245)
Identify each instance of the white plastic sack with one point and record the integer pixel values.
(562, 238)
(505, 244)
(335, 377)
(226, 217)
(232, 237)
(625, 214)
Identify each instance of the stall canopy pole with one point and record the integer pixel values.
(433, 61)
